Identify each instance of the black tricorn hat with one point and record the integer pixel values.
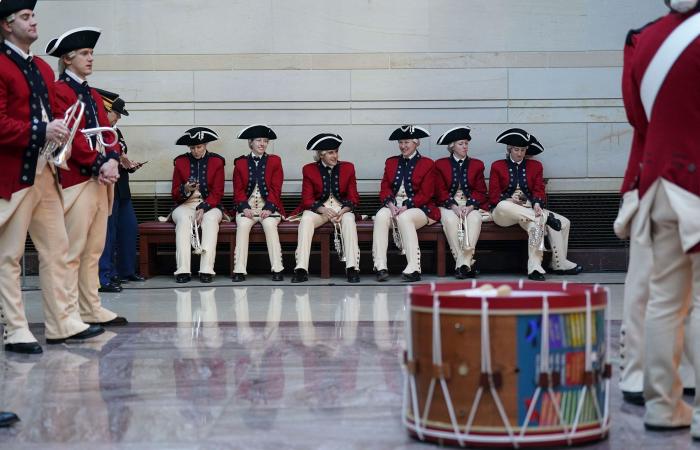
(196, 136)
(517, 137)
(535, 147)
(455, 134)
(77, 38)
(112, 102)
(324, 141)
(408, 132)
(9, 7)
(257, 131)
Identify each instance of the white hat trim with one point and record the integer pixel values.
(68, 33)
(441, 138)
(250, 126)
(339, 141)
(500, 138)
(411, 128)
(200, 135)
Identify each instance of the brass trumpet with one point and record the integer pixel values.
(194, 239)
(97, 132)
(57, 153)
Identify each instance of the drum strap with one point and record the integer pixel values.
(665, 58)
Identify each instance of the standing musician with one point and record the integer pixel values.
(406, 192)
(118, 260)
(329, 193)
(197, 189)
(460, 191)
(30, 196)
(663, 70)
(257, 190)
(87, 182)
(516, 194)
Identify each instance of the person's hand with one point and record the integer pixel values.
(339, 216)
(467, 210)
(109, 172)
(264, 214)
(393, 208)
(198, 216)
(56, 132)
(328, 213)
(538, 210)
(191, 186)
(248, 213)
(400, 210)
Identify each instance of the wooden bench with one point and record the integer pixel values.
(154, 233)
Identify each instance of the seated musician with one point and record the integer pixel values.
(406, 192)
(257, 190)
(460, 190)
(92, 170)
(198, 187)
(329, 193)
(516, 191)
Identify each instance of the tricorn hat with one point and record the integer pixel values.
(408, 132)
(196, 136)
(455, 134)
(112, 102)
(77, 38)
(517, 137)
(9, 7)
(324, 141)
(535, 147)
(257, 131)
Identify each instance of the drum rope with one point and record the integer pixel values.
(486, 368)
(588, 366)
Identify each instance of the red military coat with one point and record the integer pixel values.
(317, 186)
(447, 182)
(421, 172)
(505, 175)
(670, 149)
(208, 171)
(84, 162)
(270, 184)
(20, 139)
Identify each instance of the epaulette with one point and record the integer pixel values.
(184, 155)
(240, 157)
(216, 155)
(631, 33)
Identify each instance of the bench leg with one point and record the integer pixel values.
(325, 258)
(144, 257)
(440, 269)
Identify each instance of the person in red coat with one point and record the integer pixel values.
(516, 194)
(197, 189)
(328, 194)
(257, 191)
(88, 182)
(30, 199)
(460, 191)
(666, 112)
(407, 190)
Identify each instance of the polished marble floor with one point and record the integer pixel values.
(255, 366)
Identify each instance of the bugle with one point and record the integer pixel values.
(194, 239)
(536, 234)
(338, 240)
(396, 233)
(59, 153)
(462, 236)
(97, 132)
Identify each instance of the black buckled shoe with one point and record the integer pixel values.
(664, 428)
(206, 277)
(635, 398)
(574, 271)
(536, 276)
(183, 278)
(8, 418)
(133, 277)
(118, 321)
(353, 275)
(382, 275)
(91, 331)
(27, 348)
(553, 222)
(115, 280)
(461, 272)
(300, 275)
(237, 277)
(277, 276)
(411, 277)
(110, 287)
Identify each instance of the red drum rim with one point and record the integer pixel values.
(563, 295)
